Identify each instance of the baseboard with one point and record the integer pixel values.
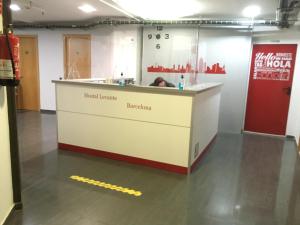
(290, 137)
(45, 111)
(17, 206)
(264, 134)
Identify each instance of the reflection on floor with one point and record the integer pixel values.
(243, 180)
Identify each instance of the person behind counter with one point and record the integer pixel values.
(160, 82)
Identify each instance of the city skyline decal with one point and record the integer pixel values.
(201, 67)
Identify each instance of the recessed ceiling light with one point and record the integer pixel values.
(161, 9)
(14, 7)
(87, 8)
(251, 11)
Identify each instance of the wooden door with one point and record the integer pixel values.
(77, 56)
(270, 84)
(28, 92)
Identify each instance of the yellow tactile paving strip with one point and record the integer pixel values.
(106, 185)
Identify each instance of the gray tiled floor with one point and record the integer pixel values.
(243, 180)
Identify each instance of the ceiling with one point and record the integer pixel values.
(232, 9)
(37, 11)
(60, 11)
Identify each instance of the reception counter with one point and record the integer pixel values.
(160, 127)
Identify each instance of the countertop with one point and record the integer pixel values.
(188, 91)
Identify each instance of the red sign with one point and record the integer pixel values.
(269, 65)
(6, 68)
(270, 84)
(1, 21)
(0, 8)
(201, 67)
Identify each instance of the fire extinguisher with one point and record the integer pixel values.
(9, 60)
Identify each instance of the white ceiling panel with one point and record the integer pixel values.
(60, 10)
(66, 10)
(232, 9)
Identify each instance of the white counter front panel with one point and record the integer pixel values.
(168, 127)
(205, 120)
(139, 106)
(152, 141)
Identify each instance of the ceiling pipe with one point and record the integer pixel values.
(287, 12)
(107, 21)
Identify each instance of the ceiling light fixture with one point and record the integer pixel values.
(118, 9)
(15, 7)
(251, 11)
(87, 8)
(161, 10)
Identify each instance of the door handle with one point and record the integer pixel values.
(287, 90)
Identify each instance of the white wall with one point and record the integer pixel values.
(177, 46)
(110, 45)
(6, 194)
(232, 49)
(190, 44)
(115, 50)
(51, 66)
(288, 37)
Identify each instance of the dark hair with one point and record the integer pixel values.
(158, 80)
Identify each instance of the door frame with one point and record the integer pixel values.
(36, 41)
(247, 88)
(65, 36)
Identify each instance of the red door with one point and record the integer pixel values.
(270, 83)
